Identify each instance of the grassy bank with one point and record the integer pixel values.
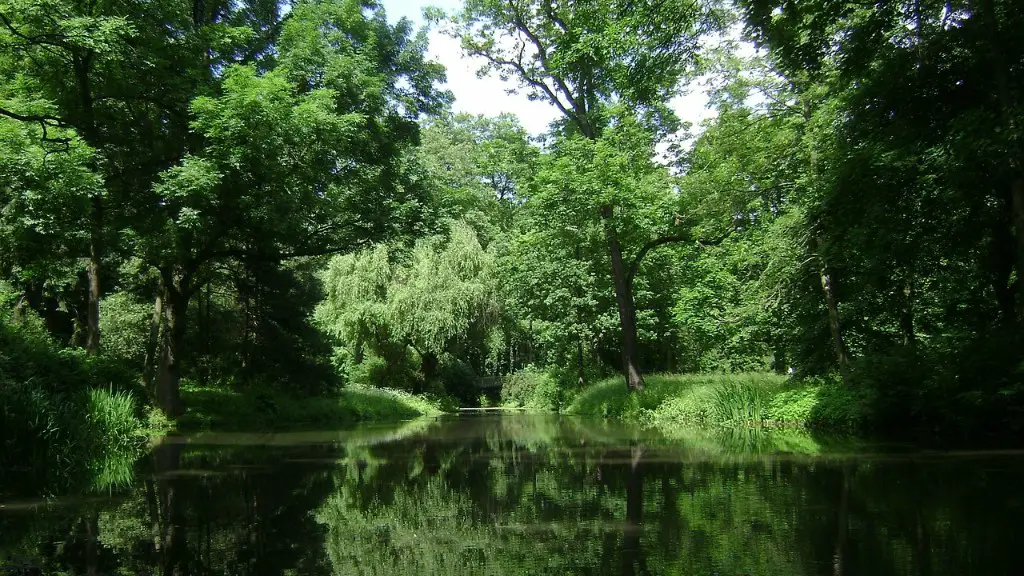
(225, 409)
(66, 419)
(725, 399)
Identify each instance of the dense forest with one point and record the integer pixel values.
(275, 199)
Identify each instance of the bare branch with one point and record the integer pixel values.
(526, 76)
(578, 109)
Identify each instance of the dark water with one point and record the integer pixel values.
(521, 494)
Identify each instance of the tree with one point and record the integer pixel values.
(480, 170)
(583, 57)
(305, 159)
(439, 298)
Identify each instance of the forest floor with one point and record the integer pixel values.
(684, 400)
(228, 410)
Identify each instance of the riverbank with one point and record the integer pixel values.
(228, 410)
(761, 399)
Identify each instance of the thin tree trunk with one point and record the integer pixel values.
(1003, 263)
(169, 380)
(205, 332)
(92, 337)
(153, 346)
(834, 326)
(581, 379)
(1018, 225)
(627, 309)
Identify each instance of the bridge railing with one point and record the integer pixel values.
(488, 382)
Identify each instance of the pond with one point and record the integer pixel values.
(527, 494)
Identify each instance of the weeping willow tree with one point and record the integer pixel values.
(437, 299)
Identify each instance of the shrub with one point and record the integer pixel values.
(729, 399)
(111, 417)
(124, 325)
(62, 414)
(457, 379)
(740, 403)
(531, 388)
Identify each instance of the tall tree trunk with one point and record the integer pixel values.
(832, 305)
(581, 377)
(92, 337)
(1003, 262)
(82, 64)
(834, 326)
(624, 299)
(206, 331)
(358, 355)
(169, 380)
(153, 348)
(1007, 104)
(429, 367)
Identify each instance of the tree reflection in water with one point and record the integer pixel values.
(529, 495)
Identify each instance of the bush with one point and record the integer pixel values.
(729, 399)
(398, 370)
(821, 404)
(457, 379)
(64, 417)
(966, 387)
(124, 326)
(531, 388)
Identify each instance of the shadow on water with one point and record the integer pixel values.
(527, 494)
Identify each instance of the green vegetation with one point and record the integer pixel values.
(734, 400)
(218, 409)
(66, 423)
(277, 204)
(534, 494)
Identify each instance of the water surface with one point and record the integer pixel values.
(526, 494)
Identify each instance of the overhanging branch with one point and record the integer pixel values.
(669, 239)
(44, 123)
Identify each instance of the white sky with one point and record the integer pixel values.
(488, 95)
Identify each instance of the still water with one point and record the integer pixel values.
(518, 494)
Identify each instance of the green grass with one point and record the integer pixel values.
(758, 399)
(67, 420)
(224, 409)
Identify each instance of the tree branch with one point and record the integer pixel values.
(526, 76)
(52, 121)
(669, 239)
(44, 123)
(578, 110)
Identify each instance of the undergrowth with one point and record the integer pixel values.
(757, 399)
(227, 409)
(65, 418)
